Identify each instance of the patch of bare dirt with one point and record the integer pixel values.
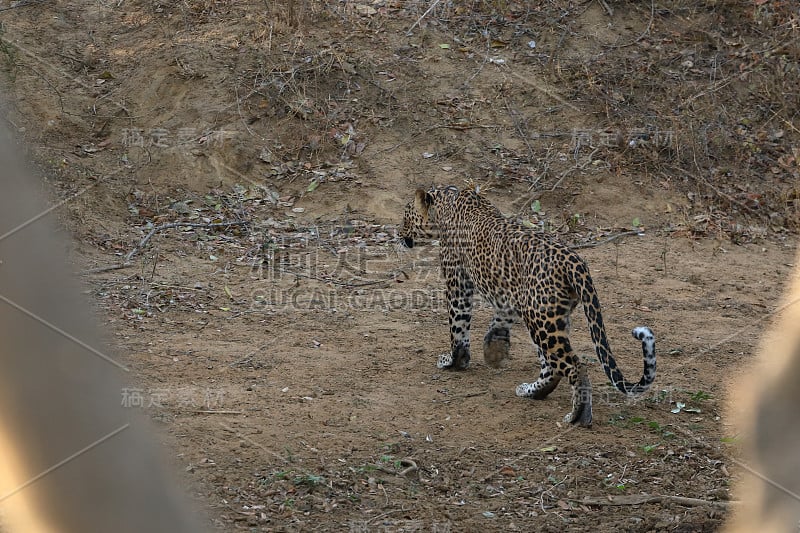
(290, 358)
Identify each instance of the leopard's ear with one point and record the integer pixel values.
(422, 201)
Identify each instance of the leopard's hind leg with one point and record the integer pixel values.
(497, 341)
(544, 385)
(559, 361)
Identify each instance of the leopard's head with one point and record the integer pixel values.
(417, 222)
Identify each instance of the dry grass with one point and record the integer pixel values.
(701, 98)
(696, 98)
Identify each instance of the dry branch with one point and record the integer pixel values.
(126, 262)
(422, 17)
(639, 499)
(607, 8)
(24, 3)
(605, 241)
(545, 90)
(644, 33)
(170, 225)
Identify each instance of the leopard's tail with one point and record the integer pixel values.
(582, 282)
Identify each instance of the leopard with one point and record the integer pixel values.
(526, 276)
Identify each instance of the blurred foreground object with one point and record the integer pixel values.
(71, 458)
(767, 403)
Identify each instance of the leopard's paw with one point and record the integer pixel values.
(444, 361)
(525, 390)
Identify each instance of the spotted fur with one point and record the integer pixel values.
(525, 276)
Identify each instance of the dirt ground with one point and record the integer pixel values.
(289, 359)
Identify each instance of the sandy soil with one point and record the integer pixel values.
(290, 359)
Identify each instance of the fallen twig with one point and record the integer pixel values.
(126, 262)
(545, 90)
(562, 176)
(607, 8)
(422, 17)
(644, 33)
(541, 496)
(384, 515)
(410, 466)
(606, 241)
(108, 268)
(464, 127)
(520, 127)
(639, 499)
(553, 56)
(723, 194)
(572, 169)
(170, 225)
(716, 86)
(472, 394)
(18, 5)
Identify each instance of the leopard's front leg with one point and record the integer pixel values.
(459, 295)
